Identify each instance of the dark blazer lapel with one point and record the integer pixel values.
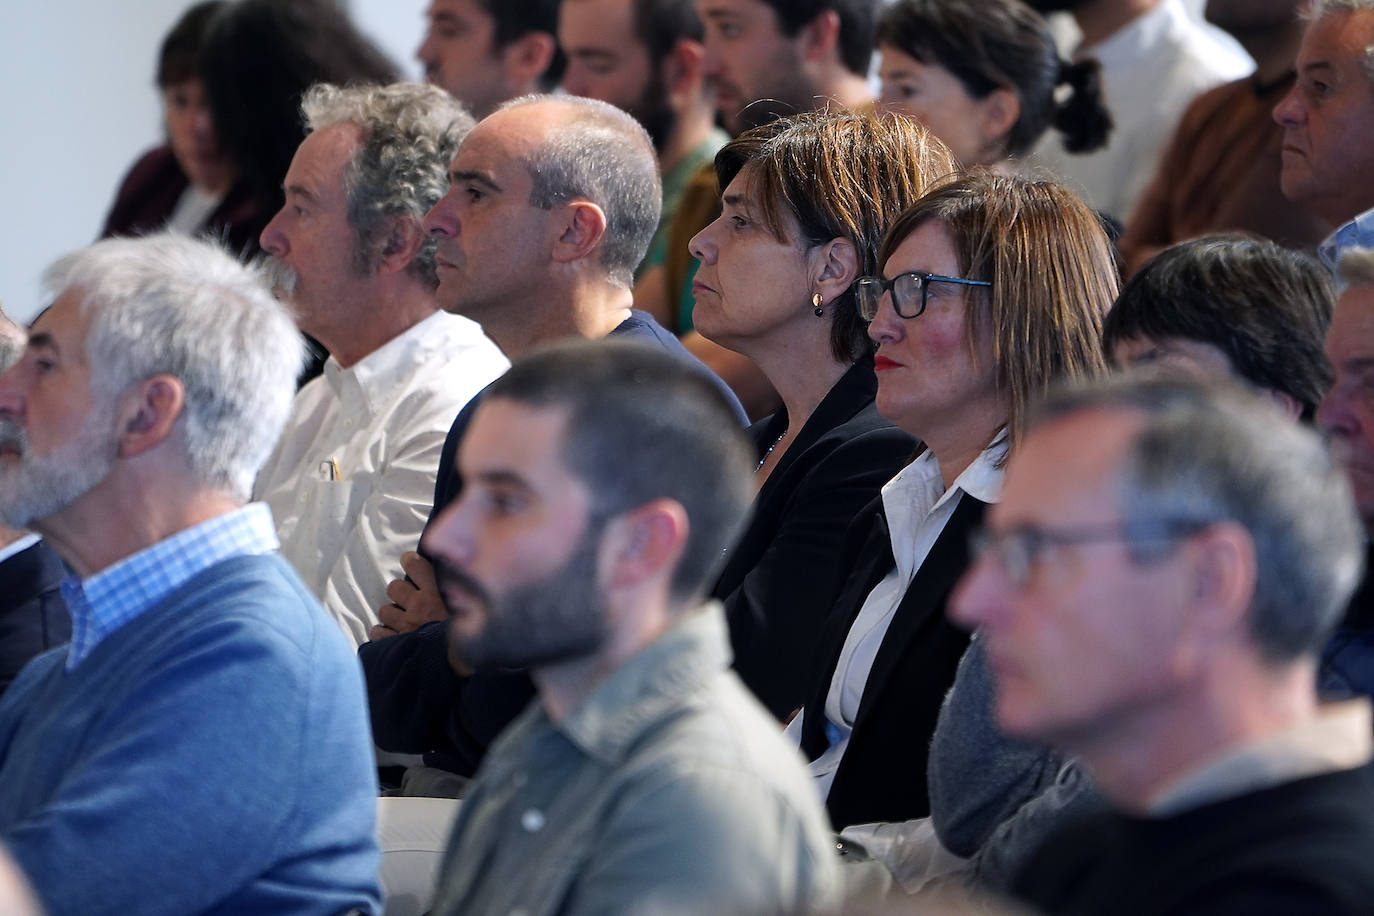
(872, 563)
(850, 395)
(925, 598)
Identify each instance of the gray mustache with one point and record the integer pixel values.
(12, 435)
(278, 275)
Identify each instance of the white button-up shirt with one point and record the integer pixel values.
(917, 507)
(352, 481)
(1152, 67)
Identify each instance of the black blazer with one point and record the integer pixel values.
(780, 579)
(33, 615)
(882, 775)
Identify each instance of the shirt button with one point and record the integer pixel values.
(532, 820)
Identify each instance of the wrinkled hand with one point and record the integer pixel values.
(415, 600)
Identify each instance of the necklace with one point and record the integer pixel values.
(781, 436)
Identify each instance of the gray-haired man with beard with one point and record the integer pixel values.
(201, 745)
(352, 481)
(602, 483)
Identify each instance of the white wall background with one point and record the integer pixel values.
(77, 94)
(76, 91)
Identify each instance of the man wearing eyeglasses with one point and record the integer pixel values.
(1151, 594)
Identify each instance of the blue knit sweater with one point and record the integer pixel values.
(210, 756)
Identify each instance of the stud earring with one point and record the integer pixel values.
(816, 305)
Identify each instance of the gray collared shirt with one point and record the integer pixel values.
(668, 790)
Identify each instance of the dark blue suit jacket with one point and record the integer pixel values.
(419, 705)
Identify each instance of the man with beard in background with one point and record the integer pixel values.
(646, 57)
(603, 482)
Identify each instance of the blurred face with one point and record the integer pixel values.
(311, 242)
(1087, 640)
(752, 64)
(56, 435)
(515, 557)
(494, 246)
(460, 55)
(607, 61)
(1176, 356)
(1347, 411)
(931, 377)
(932, 95)
(750, 286)
(191, 133)
(1328, 120)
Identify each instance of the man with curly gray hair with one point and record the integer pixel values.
(351, 481)
(201, 743)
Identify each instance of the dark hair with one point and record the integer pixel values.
(856, 25)
(661, 24)
(1004, 44)
(259, 57)
(513, 19)
(180, 51)
(838, 175)
(1212, 452)
(1265, 306)
(643, 425)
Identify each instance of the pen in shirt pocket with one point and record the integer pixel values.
(329, 470)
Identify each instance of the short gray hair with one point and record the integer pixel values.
(1323, 8)
(409, 135)
(603, 155)
(171, 304)
(1211, 452)
(1356, 267)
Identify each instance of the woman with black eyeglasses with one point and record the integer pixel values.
(806, 202)
(990, 289)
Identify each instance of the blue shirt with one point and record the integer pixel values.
(1358, 233)
(103, 602)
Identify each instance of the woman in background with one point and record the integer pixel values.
(189, 183)
(992, 288)
(258, 59)
(982, 74)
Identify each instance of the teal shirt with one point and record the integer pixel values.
(673, 183)
(668, 789)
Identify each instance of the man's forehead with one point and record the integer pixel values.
(467, 10)
(515, 437)
(318, 166)
(505, 133)
(1338, 40)
(1067, 467)
(730, 7)
(599, 25)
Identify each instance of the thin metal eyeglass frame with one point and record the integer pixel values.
(863, 287)
(1032, 540)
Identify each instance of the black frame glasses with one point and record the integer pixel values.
(1017, 550)
(868, 291)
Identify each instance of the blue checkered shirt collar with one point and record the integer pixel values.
(105, 601)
